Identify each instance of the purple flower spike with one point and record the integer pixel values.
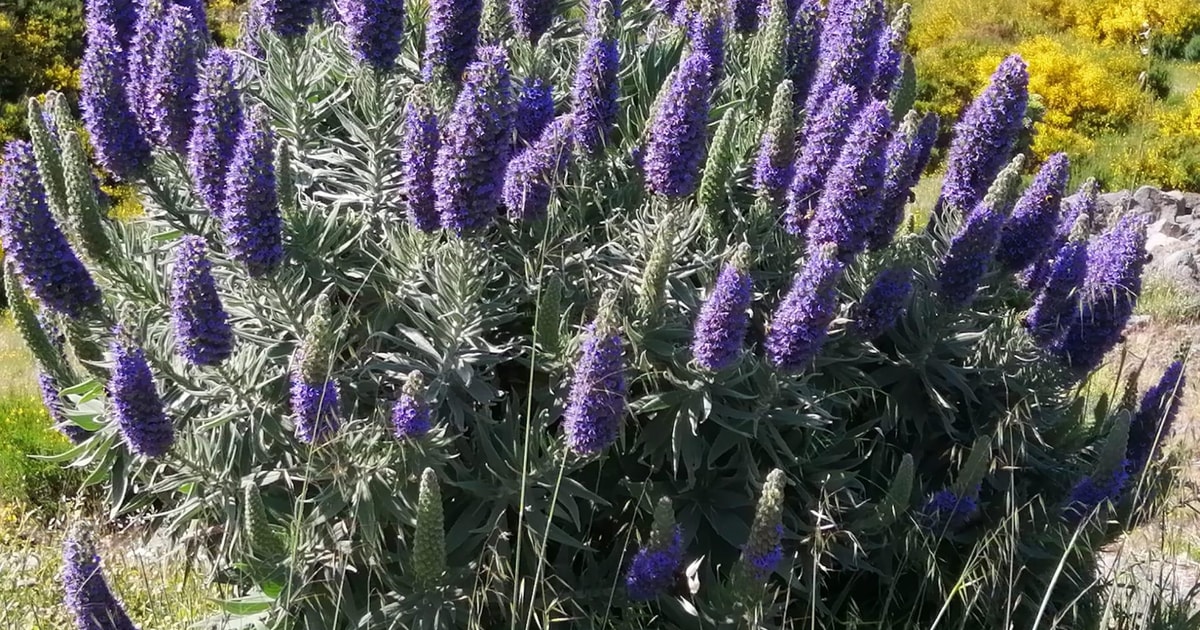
(315, 408)
(121, 14)
(250, 222)
(451, 35)
(596, 404)
(289, 18)
(883, 303)
(171, 92)
(1031, 228)
(596, 90)
(531, 18)
(1093, 491)
(535, 110)
(374, 29)
(721, 326)
(824, 136)
(1081, 204)
(984, 138)
(707, 32)
(773, 170)
(1055, 306)
(849, 47)
(1110, 290)
(202, 332)
(804, 46)
(654, 568)
(678, 143)
(764, 548)
(531, 175)
(418, 156)
(890, 55)
(214, 135)
(854, 191)
(945, 510)
(906, 157)
(967, 260)
(469, 171)
(1155, 416)
(58, 417)
(44, 261)
(745, 15)
(86, 594)
(119, 144)
(801, 323)
(411, 416)
(136, 406)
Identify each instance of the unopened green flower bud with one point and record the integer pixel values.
(261, 540)
(46, 153)
(429, 542)
(1003, 193)
(285, 179)
(717, 172)
(26, 321)
(548, 322)
(763, 551)
(654, 275)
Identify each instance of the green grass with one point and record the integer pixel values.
(1169, 303)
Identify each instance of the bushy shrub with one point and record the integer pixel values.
(406, 369)
(1191, 52)
(1168, 157)
(1123, 21)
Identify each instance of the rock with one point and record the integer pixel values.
(1147, 198)
(1118, 199)
(1172, 229)
(1171, 205)
(1191, 201)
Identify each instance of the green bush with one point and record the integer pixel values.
(1191, 52)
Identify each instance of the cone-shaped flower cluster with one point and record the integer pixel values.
(1110, 290)
(411, 416)
(140, 60)
(136, 406)
(50, 399)
(1055, 305)
(1155, 417)
(1080, 205)
(849, 47)
(429, 541)
(202, 329)
(907, 155)
(883, 303)
(115, 135)
(86, 594)
(707, 33)
(764, 550)
(984, 137)
(418, 155)
(32, 240)
(596, 403)
(250, 221)
(122, 14)
(745, 15)
(678, 141)
(531, 18)
(217, 122)
(1034, 221)
(721, 326)
(535, 110)
(803, 47)
(374, 29)
(854, 191)
(890, 53)
(654, 567)
(967, 259)
(315, 398)
(289, 18)
(824, 136)
(777, 151)
(945, 510)
(469, 171)
(532, 174)
(450, 38)
(801, 323)
(595, 91)
(31, 325)
(1093, 491)
(171, 91)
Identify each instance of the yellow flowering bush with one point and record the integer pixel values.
(1170, 156)
(1122, 21)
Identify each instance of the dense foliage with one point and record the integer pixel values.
(408, 368)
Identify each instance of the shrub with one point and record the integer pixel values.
(1123, 21)
(1168, 156)
(500, 421)
(1191, 52)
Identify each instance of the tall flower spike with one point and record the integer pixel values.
(770, 46)
(214, 135)
(718, 169)
(34, 243)
(1093, 491)
(849, 47)
(429, 540)
(707, 32)
(1031, 228)
(49, 390)
(1115, 260)
(721, 326)
(85, 218)
(764, 549)
(1080, 206)
(29, 326)
(289, 18)
(261, 541)
(800, 324)
(86, 594)
(678, 140)
(202, 332)
(47, 152)
(847, 207)
(411, 416)
(140, 60)
(903, 171)
(136, 406)
(116, 138)
(418, 155)
(316, 403)
(776, 153)
(984, 138)
(531, 176)
(947, 510)
(285, 180)
(374, 29)
(121, 14)
(171, 92)
(596, 89)
(804, 46)
(966, 261)
(469, 171)
(1055, 305)
(891, 53)
(451, 35)
(652, 287)
(653, 569)
(596, 403)
(1154, 418)
(883, 303)
(250, 222)
(531, 18)
(745, 15)
(824, 136)
(535, 110)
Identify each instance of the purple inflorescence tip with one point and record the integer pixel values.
(214, 135)
(136, 405)
(250, 221)
(202, 332)
(801, 323)
(596, 404)
(720, 330)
